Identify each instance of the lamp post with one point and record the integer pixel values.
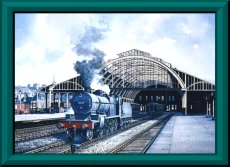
(51, 89)
(213, 105)
(37, 100)
(67, 101)
(20, 92)
(207, 105)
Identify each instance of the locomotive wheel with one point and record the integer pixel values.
(73, 149)
(115, 125)
(122, 124)
(89, 134)
(126, 123)
(111, 129)
(100, 132)
(106, 131)
(69, 135)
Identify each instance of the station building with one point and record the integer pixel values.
(138, 77)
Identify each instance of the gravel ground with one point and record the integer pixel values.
(25, 146)
(106, 145)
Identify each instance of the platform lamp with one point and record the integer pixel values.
(213, 104)
(206, 104)
(37, 98)
(20, 92)
(51, 89)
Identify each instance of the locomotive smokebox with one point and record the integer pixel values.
(84, 127)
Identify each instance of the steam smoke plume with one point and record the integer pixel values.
(93, 56)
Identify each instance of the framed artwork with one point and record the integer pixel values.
(125, 13)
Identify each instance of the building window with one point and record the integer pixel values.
(162, 98)
(172, 98)
(156, 98)
(151, 98)
(169, 98)
(146, 98)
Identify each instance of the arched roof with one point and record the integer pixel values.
(135, 70)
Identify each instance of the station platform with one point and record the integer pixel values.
(39, 117)
(185, 134)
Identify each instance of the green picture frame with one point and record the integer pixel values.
(9, 7)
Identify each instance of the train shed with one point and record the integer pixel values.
(138, 77)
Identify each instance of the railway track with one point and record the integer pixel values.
(87, 144)
(41, 133)
(64, 147)
(41, 149)
(34, 129)
(104, 145)
(141, 142)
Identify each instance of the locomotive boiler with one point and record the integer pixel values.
(95, 114)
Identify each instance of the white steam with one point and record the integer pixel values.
(98, 85)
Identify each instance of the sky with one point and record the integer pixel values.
(44, 43)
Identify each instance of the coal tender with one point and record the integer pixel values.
(95, 115)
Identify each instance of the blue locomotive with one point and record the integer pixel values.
(95, 114)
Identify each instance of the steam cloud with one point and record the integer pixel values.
(93, 57)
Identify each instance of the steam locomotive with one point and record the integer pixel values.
(95, 114)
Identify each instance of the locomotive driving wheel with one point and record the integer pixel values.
(115, 125)
(73, 149)
(111, 129)
(100, 132)
(106, 131)
(122, 124)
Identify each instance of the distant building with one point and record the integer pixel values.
(36, 85)
(27, 96)
(43, 85)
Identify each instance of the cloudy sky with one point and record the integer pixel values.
(44, 43)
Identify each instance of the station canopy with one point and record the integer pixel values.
(134, 71)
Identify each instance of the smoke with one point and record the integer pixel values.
(98, 84)
(93, 57)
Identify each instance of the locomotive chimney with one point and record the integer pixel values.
(87, 89)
